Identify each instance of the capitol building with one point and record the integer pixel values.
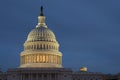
(42, 60)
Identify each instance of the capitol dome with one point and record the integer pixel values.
(41, 34)
(41, 49)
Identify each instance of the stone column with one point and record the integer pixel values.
(37, 76)
(31, 76)
(36, 58)
(56, 76)
(28, 59)
(48, 58)
(21, 76)
(59, 76)
(55, 59)
(45, 59)
(50, 77)
(28, 76)
(58, 60)
(42, 76)
(47, 76)
(25, 59)
(31, 58)
(42, 58)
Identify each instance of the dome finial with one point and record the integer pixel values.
(41, 19)
(41, 13)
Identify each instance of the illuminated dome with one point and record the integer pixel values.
(41, 48)
(41, 34)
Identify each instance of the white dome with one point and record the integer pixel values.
(41, 34)
(41, 48)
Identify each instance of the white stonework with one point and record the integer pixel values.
(41, 49)
(39, 74)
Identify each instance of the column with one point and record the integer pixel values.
(30, 58)
(50, 76)
(45, 58)
(35, 58)
(21, 76)
(25, 59)
(37, 76)
(48, 58)
(42, 76)
(55, 76)
(59, 76)
(42, 46)
(55, 59)
(29, 76)
(51, 58)
(40, 58)
(58, 60)
(35, 46)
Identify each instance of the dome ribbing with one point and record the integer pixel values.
(41, 34)
(41, 48)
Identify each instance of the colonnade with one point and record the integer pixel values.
(41, 58)
(40, 76)
(41, 46)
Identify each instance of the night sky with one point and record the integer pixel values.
(88, 31)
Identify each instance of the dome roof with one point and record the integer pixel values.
(41, 49)
(41, 34)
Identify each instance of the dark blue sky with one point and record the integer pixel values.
(88, 31)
